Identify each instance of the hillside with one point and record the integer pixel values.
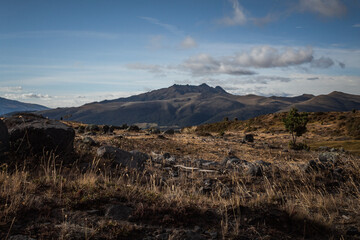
(205, 182)
(185, 105)
(9, 106)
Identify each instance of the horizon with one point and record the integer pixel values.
(69, 53)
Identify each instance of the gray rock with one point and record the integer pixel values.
(89, 141)
(154, 131)
(133, 128)
(105, 129)
(92, 128)
(254, 170)
(132, 159)
(169, 131)
(118, 212)
(4, 138)
(328, 157)
(34, 134)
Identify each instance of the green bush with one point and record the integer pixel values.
(295, 123)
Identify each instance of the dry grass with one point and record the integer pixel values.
(45, 198)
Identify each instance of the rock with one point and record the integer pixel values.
(353, 231)
(166, 155)
(154, 131)
(105, 129)
(254, 170)
(232, 161)
(328, 157)
(118, 212)
(132, 159)
(89, 141)
(169, 131)
(249, 138)
(139, 156)
(34, 134)
(92, 128)
(133, 128)
(4, 138)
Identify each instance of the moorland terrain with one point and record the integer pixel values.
(227, 180)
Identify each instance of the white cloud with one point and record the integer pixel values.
(11, 89)
(188, 43)
(204, 64)
(156, 42)
(151, 68)
(238, 16)
(356, 25)
(34, 95)
(325, 8)
(267, 57)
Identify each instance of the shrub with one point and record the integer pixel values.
(298, 146)
(295, 123)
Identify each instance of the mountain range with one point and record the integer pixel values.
(187, 105)
(9, 106)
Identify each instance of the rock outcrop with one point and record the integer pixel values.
(34, 134)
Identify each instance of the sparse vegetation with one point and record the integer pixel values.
(291, 198)
(295, 123)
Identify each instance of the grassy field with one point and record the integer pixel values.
(86, 197)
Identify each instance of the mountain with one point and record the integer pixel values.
(9, 106)
(186, 105)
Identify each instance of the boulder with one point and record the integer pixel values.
(89, 141)
(4, 138)
(132, 159)
(249, 138)
(34, 134)
(92, 128)
(133, 128)
(169, 131)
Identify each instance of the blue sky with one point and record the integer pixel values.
(67, 53)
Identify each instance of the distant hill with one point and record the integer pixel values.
(186, 105)
(9, 106)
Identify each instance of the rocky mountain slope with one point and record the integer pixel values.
(9, 106)
(185, 105)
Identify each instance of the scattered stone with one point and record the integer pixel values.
(132, 159)
(89, 141)
(92, 128)
(4, 138)
(118, 212)
(169, 131)
(263, 163)
(133, 128)
(105, 129)
(166, 155)
(328, 157)
(254, 170)
(34, 134)
(249, 138)
(154, 131)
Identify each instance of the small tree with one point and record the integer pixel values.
(295, 123)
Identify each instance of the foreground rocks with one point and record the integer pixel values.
(33, 134)
(133, 159)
